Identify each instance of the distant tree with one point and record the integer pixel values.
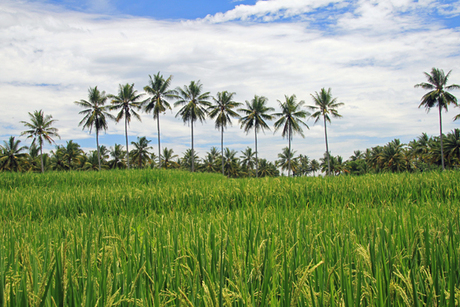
(167, 158)
(72, 153)
(256, 115)
(231, 163)
(452, 146)
(159, 89)
(210, 161)
(222, 111)
(40, 128)
(188, 159)
(118, 155)
(438, 96)
(248, 160)
(290, 118)
(286, 160)
(11, 158)
(267, 169)
(127, 101)
(314, 166)
(325, 105)
(194, 107)
(96, 114)
(140, 153)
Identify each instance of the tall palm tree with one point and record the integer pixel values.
(141, 153)
(40, 128)
(11, 158)
(158, 88)
(256, 112)
(95, 114)
(291, 120)
(438, 96)
(127, 101)
(194, 107)
(222, 111)
(325, 105)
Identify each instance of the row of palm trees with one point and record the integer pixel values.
(421, 154)
(195, 105)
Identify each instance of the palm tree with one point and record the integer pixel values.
(438, 96)
(141, 153)
(168, 156)
(72, 153)
(40, 129)
(248, 160)
(222, 111)
(11, 157)
(95, 114)
(232, 165)
(452, 146)
(188, 159)
(118, 155)
(256, 114)
(314, 166)
(194, 103)
(210, 163)
(128, 101)
(325, 105)
(290, 118)
(158, 88)
(284, 160)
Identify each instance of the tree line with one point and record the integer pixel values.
(195, 105)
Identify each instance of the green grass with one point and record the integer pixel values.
(159, 238)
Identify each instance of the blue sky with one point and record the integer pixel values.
(371, 53)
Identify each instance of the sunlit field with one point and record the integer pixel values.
(171, 238)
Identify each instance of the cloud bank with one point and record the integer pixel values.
(370, 53)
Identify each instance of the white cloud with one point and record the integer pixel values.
(371, 60)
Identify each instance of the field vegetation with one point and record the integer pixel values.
(173, 238)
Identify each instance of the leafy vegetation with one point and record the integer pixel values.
(167, 238)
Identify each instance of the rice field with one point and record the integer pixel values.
(166, 238)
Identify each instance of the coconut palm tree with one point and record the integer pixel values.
(290, 118)
(452, 146)
(127, 101)
(40, 128)
(438, 96)
(141, 153)
(168, 156)
(194, 107)
(256, 112)
(118, 155)
(158, 88)
(314, 166)
(325, 105)
(222, 111)
(286, 160)
(248, 160)
(210, 161)
(72, 153)
(96, 114)
(232, 165)
(11, 158)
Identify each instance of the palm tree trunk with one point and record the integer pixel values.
(257, 160)
(327, 148)
(126, 135)
(98, 150)
(222, 148)
(289, 153)
(193, 152)
(440, 134)
(159, 148)
(41, 158)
